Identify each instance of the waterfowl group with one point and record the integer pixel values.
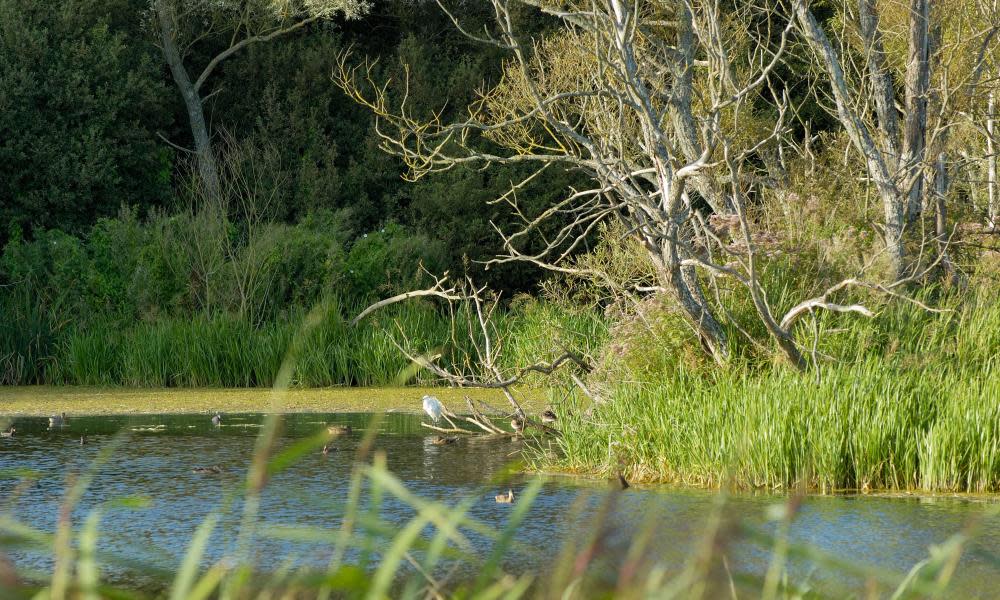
(9, 433)
(213, 470)
(507, 498)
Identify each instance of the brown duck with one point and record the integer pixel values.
(507, 498)
(213, 470)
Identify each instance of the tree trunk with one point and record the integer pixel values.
(883, 88)
(710, 332)
(682, 283)
(992, 207)
(885, 179)
(682, 116)
(917, 88)
(941, 184)
(207, 168)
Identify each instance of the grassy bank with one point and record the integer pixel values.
(907, 401)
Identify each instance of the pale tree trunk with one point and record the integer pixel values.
(208, 169)
(883, 87)
(992, 201)
(941, 184)
(682, 116)
(879, 169)
(917, 88)
(896, 173)
(682, 283)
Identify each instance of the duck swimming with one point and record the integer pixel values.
(9, 433)
(58, 420)
(213, 470)
(340, 429)
(217, 420)
(507, 498)
(440, 440)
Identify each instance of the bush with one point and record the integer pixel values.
(388, 261)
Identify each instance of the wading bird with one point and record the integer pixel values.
(517, 425)
(433, 408)
(548, 416)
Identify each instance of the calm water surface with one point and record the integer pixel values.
(158, 452)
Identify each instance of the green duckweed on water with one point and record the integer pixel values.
(45, 400)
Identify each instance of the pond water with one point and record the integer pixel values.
(156, 457)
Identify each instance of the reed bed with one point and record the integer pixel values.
(862, 428)
(909, 400)
(225, 351)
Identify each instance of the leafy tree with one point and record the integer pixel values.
(79, 105)
(184, 23)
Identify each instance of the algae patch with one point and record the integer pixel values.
(45, 400)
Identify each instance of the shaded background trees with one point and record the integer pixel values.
(89, 106)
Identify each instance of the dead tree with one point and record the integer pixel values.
(472, 311)
(634, 95)
(894, 156)
(646, 99)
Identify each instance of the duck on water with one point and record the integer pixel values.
(213, 470)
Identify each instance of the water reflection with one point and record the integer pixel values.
(158, 452)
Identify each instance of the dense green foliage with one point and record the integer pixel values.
(162, 305)
(81, 99)
(88, 104)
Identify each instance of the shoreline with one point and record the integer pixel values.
(985, 498)
(44, 400)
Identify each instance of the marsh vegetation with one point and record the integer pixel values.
(743, 246)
